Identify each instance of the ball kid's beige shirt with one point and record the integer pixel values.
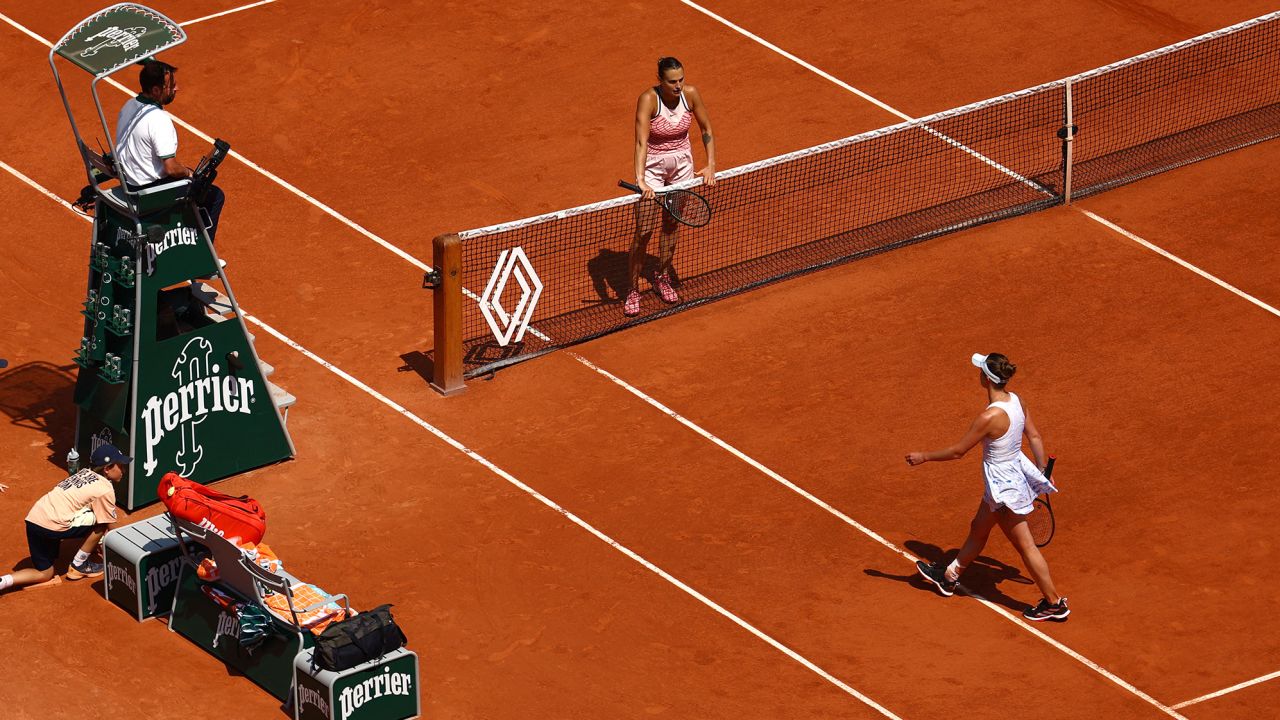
(85, 498)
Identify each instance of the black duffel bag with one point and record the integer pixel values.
(367, 636)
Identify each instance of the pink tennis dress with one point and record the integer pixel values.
(1012, 480)
(670, 157)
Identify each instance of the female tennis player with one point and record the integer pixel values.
(1012, 483)
(663, 155)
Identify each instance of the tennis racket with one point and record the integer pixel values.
(685, 206)
(1041, 519)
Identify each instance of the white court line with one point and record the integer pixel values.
(455, 444)
(574, 519)
(634, 556)
(874, 101)
(1233, 688)
(40, 188)
(807, 66)
(254, 166)
(225, 12)
(423, 266)
(1092, 216)
(875, 536)
(1165, 253)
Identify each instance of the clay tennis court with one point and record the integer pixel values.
(557, 542)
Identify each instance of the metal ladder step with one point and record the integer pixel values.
(282, 398)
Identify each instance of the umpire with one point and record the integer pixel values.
(147, 141)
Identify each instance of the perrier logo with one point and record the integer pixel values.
(354, 696)
(200, 391)
(124, 38)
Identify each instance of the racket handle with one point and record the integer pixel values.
(630, 186)
(1048, 467)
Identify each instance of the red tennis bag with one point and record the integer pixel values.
(231, 517)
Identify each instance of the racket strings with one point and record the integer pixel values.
(1041, 523)
(687, 207)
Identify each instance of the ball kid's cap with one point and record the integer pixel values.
(980, 361)
(108, 454)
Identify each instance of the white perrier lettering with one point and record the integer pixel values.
(190, 403)
(172, 238)
(388, 683)
(307, 695)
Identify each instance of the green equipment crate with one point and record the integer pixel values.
(385, 689)
(143, 562)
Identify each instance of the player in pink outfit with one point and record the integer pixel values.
(664, 155)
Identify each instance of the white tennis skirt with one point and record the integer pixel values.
(1014, 484)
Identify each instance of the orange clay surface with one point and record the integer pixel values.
(1154, 386)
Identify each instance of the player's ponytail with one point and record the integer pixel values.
(1000, 365)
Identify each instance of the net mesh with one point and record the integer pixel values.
(539, 284)
(1177, 105)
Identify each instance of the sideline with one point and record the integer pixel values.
(225, 12)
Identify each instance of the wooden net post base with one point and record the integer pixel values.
(446, 374)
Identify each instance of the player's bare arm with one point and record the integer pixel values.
(1033, 438)
(980, 428)
(700, 114)
(645, 107)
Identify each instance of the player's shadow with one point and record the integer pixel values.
(984, 576)
(41, 396)
(610, 279)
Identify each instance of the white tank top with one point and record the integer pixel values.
(1009, 445)
(1012, 480)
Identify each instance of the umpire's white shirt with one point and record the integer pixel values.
(145, 137)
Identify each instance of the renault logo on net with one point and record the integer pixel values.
(510, 326)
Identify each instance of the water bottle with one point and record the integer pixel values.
(73, 461)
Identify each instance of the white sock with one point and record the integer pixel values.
(953, 571)
(81, 556)
(6, 582)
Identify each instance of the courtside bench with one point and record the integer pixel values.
(142, 564)
(387, 689)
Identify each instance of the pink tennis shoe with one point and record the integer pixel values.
(665, 291)
(631, 307)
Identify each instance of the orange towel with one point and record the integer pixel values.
(305, 595)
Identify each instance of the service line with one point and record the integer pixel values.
(1233, 688)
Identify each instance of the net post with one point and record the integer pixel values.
(1067, 134)
(446, 372)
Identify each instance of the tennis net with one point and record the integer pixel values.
(550, 281)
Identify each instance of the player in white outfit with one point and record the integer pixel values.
(1012, 483)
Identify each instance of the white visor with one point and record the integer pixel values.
(980, 361)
